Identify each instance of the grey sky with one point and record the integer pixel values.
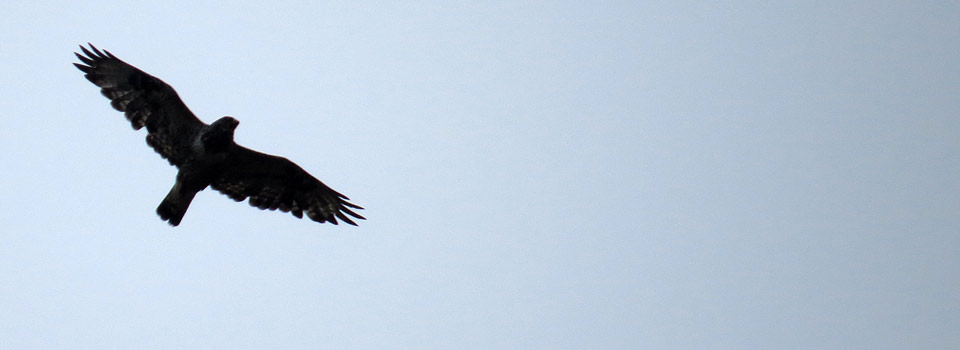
(537, 175)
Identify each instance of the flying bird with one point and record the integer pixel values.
(206, 154)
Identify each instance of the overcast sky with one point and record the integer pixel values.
(536, 175)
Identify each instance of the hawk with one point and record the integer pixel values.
(206, 155)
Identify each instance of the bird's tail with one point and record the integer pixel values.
(175, 205)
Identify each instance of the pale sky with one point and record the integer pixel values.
(537, 175)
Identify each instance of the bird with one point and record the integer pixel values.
(206, 154)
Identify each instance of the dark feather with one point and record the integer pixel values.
(272, 183)
(145, 101)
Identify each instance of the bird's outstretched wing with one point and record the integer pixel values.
(273, 182)
(145, 101)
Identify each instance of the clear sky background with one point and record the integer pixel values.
(537, 175)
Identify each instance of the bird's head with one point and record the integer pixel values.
(226, 123)
(224, 126)
(220, 134)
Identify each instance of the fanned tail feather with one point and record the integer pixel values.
(175, 205)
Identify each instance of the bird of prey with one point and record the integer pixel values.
(206, 155)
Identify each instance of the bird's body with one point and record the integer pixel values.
(206, 155)
(210, 148)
